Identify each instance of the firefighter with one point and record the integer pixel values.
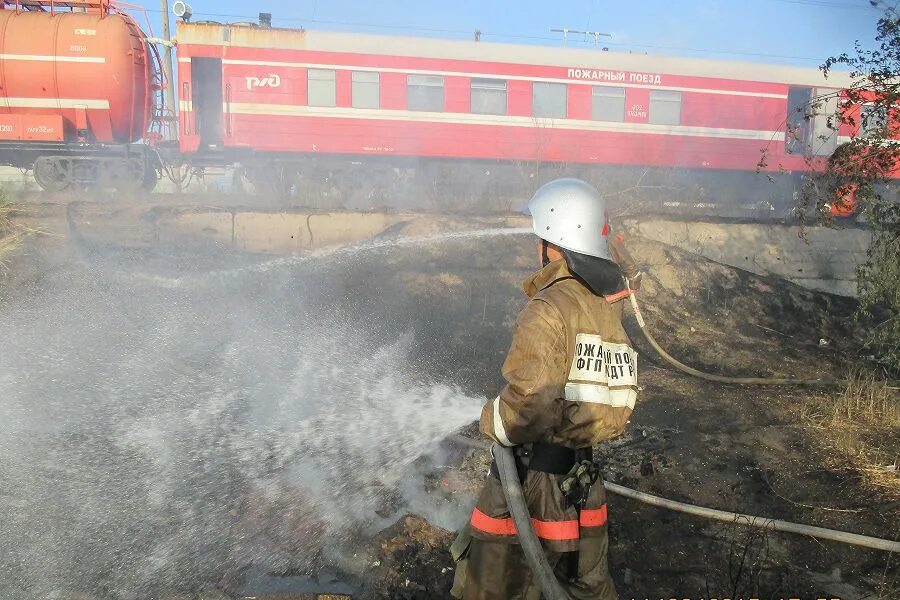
(571, 378)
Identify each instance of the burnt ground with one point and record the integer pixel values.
(739, 448)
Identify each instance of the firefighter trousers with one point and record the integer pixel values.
(499, 571)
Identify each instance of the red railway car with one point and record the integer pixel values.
(80, 104)
(310, 98)
(78, 88)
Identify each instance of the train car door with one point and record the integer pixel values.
(798, 133)
(206, 98)
(811, 121)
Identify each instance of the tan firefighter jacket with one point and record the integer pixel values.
(571, 380)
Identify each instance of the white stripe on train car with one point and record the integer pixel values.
(306, 65)
(53, 58)
(53, 103)
(246, 108)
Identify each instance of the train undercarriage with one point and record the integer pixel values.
(58, 167)
(494, 186)
(364, 182)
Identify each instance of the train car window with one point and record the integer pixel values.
(488, 97)
(608, 103)
(549, 100)
(364, 89)
(872, 120)
(665, 107)
(425, 92)
(321, 87)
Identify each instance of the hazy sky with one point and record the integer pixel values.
(801, 32)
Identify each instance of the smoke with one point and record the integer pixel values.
(166, 438)
(679, 188)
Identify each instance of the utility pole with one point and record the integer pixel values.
(167, 64)
(565, 31)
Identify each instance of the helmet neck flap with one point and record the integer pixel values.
(602, 277)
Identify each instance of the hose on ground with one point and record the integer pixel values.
(753, 521)
(710, 376)
(531, 546)
(506, 463)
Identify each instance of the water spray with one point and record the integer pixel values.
(505, 461)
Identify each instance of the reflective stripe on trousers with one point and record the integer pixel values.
(548, 530)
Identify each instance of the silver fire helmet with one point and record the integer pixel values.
(571, 214)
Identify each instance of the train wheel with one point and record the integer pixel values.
(52, 174)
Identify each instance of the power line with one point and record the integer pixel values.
(679, 48)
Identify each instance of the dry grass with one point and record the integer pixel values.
(862, 422)
(10, 232)
(867, 400)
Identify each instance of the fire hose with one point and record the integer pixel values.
(518, 509)
(710, 376)
(543, 572)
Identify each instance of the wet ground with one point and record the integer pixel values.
(248, 511)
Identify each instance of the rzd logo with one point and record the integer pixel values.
(272, 81)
